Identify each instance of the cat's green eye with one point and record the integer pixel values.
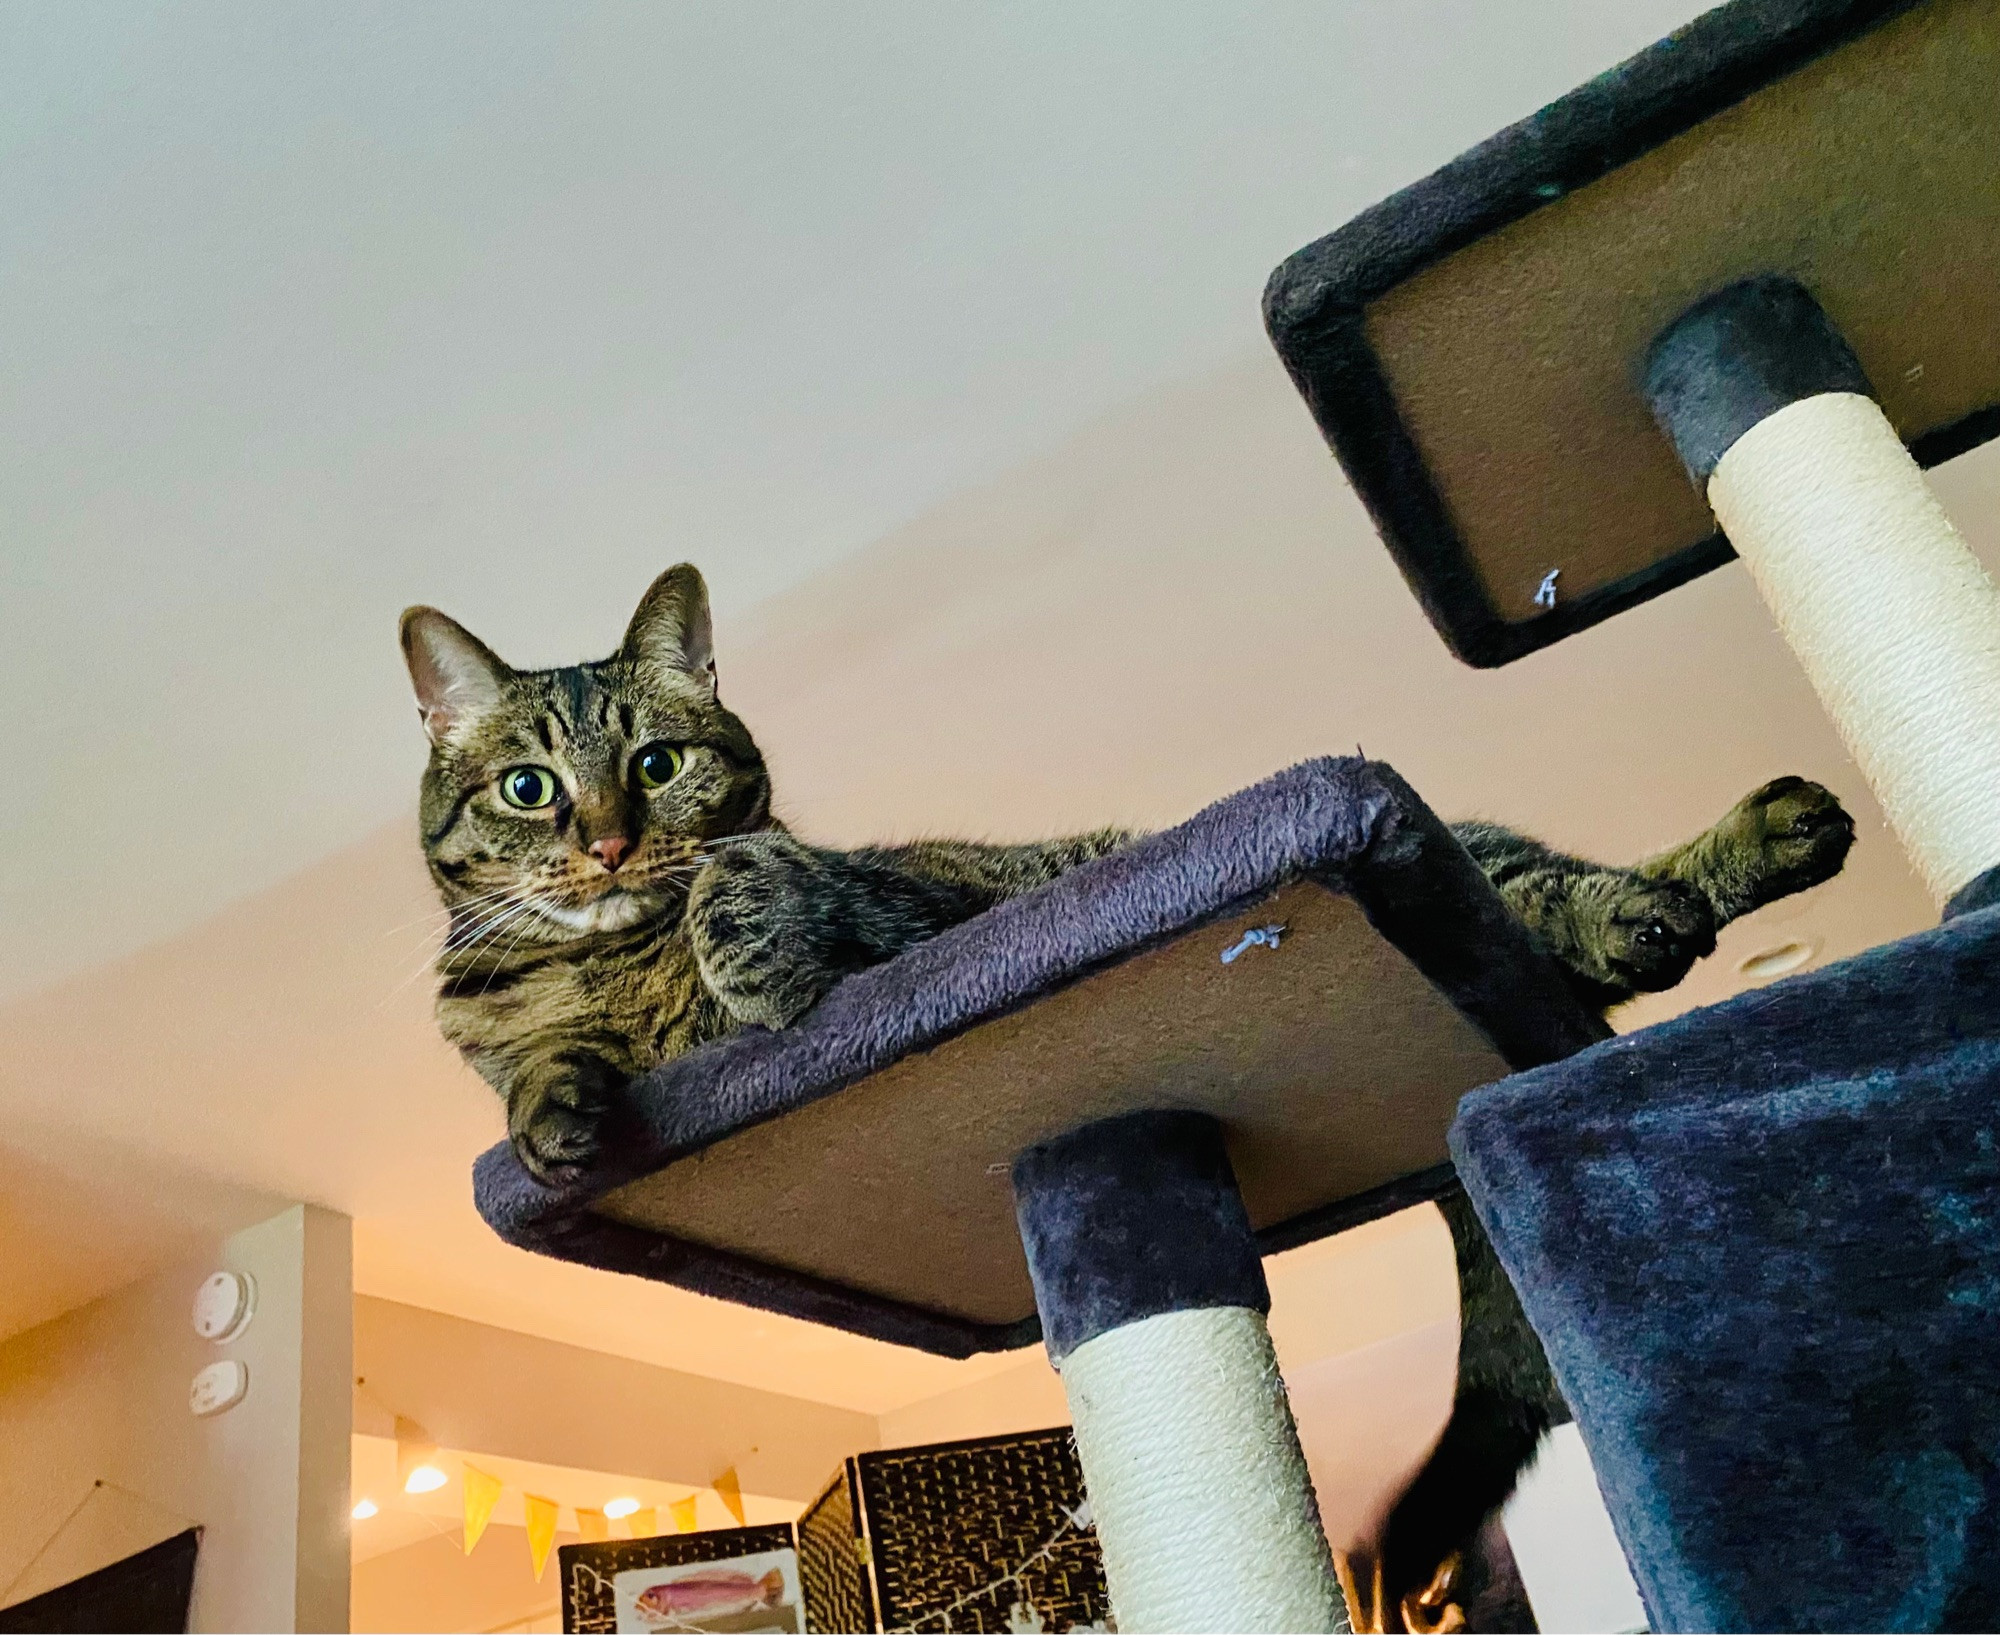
(529, 787)
(656, 764)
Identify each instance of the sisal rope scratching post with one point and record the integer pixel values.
(1152, 1298)
(1891, 615)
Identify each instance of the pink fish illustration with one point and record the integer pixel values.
(711, 1594)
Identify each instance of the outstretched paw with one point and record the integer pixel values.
(1653, 931)
(1784, 837)
(555, 1118)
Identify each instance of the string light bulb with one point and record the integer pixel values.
(416, 1458)
(619, 1509)
(365, 1509)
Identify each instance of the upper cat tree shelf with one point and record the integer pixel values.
(1473, 347)
(854, 1169)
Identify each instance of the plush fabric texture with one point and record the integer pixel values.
(1352, 824)
(1981, 891)
(1761, 1243)
(1479, 334)
(1736, 358)
(1132, 1217)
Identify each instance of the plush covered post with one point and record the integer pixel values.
(1152, 1299)
(1761, 1243)
(1892, 616)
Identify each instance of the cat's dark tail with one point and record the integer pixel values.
(1506, 1402)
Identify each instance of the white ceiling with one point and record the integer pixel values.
(312, 311)
(929, 332)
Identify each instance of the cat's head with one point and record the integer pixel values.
(561, 803)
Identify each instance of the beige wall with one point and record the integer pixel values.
(101, 1395)
(1028, 1396)
(479, 1389)
(434, 1586)
(499, 1395)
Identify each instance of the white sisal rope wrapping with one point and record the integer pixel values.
(1197, 1487)
(1896, 623)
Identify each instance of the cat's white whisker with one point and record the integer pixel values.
(485, 933)
(500, 959)
(468, 937)
(436, 943)
(505, 893)
(444, 916)
(491, 927)
(444, 911)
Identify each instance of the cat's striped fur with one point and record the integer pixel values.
(627, 919)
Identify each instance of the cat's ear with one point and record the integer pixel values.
(457, 676)
(671, 627)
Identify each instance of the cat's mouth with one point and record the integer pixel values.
(613, 909)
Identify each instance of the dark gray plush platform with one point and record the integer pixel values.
(1472, 346)
(854, 1169)
(1761, 1243)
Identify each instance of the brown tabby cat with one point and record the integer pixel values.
(619, 893)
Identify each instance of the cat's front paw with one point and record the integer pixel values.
(1654, 931)
(556, 1114)
(1787, 836)
(759, 930)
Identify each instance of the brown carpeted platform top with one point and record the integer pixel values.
(1333, 1064)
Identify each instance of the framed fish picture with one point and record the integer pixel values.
(737, 1579)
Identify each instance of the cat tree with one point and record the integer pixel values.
(1084, 1117)
(1762, 1242)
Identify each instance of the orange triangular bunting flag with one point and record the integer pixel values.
(683, 1510)
(541, 1529)
(730, 1491)
(645, 1521)
(591, 1524)
(481, 1493)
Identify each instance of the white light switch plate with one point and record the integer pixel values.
(219, 1386)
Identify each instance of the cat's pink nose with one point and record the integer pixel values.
(611, 850)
